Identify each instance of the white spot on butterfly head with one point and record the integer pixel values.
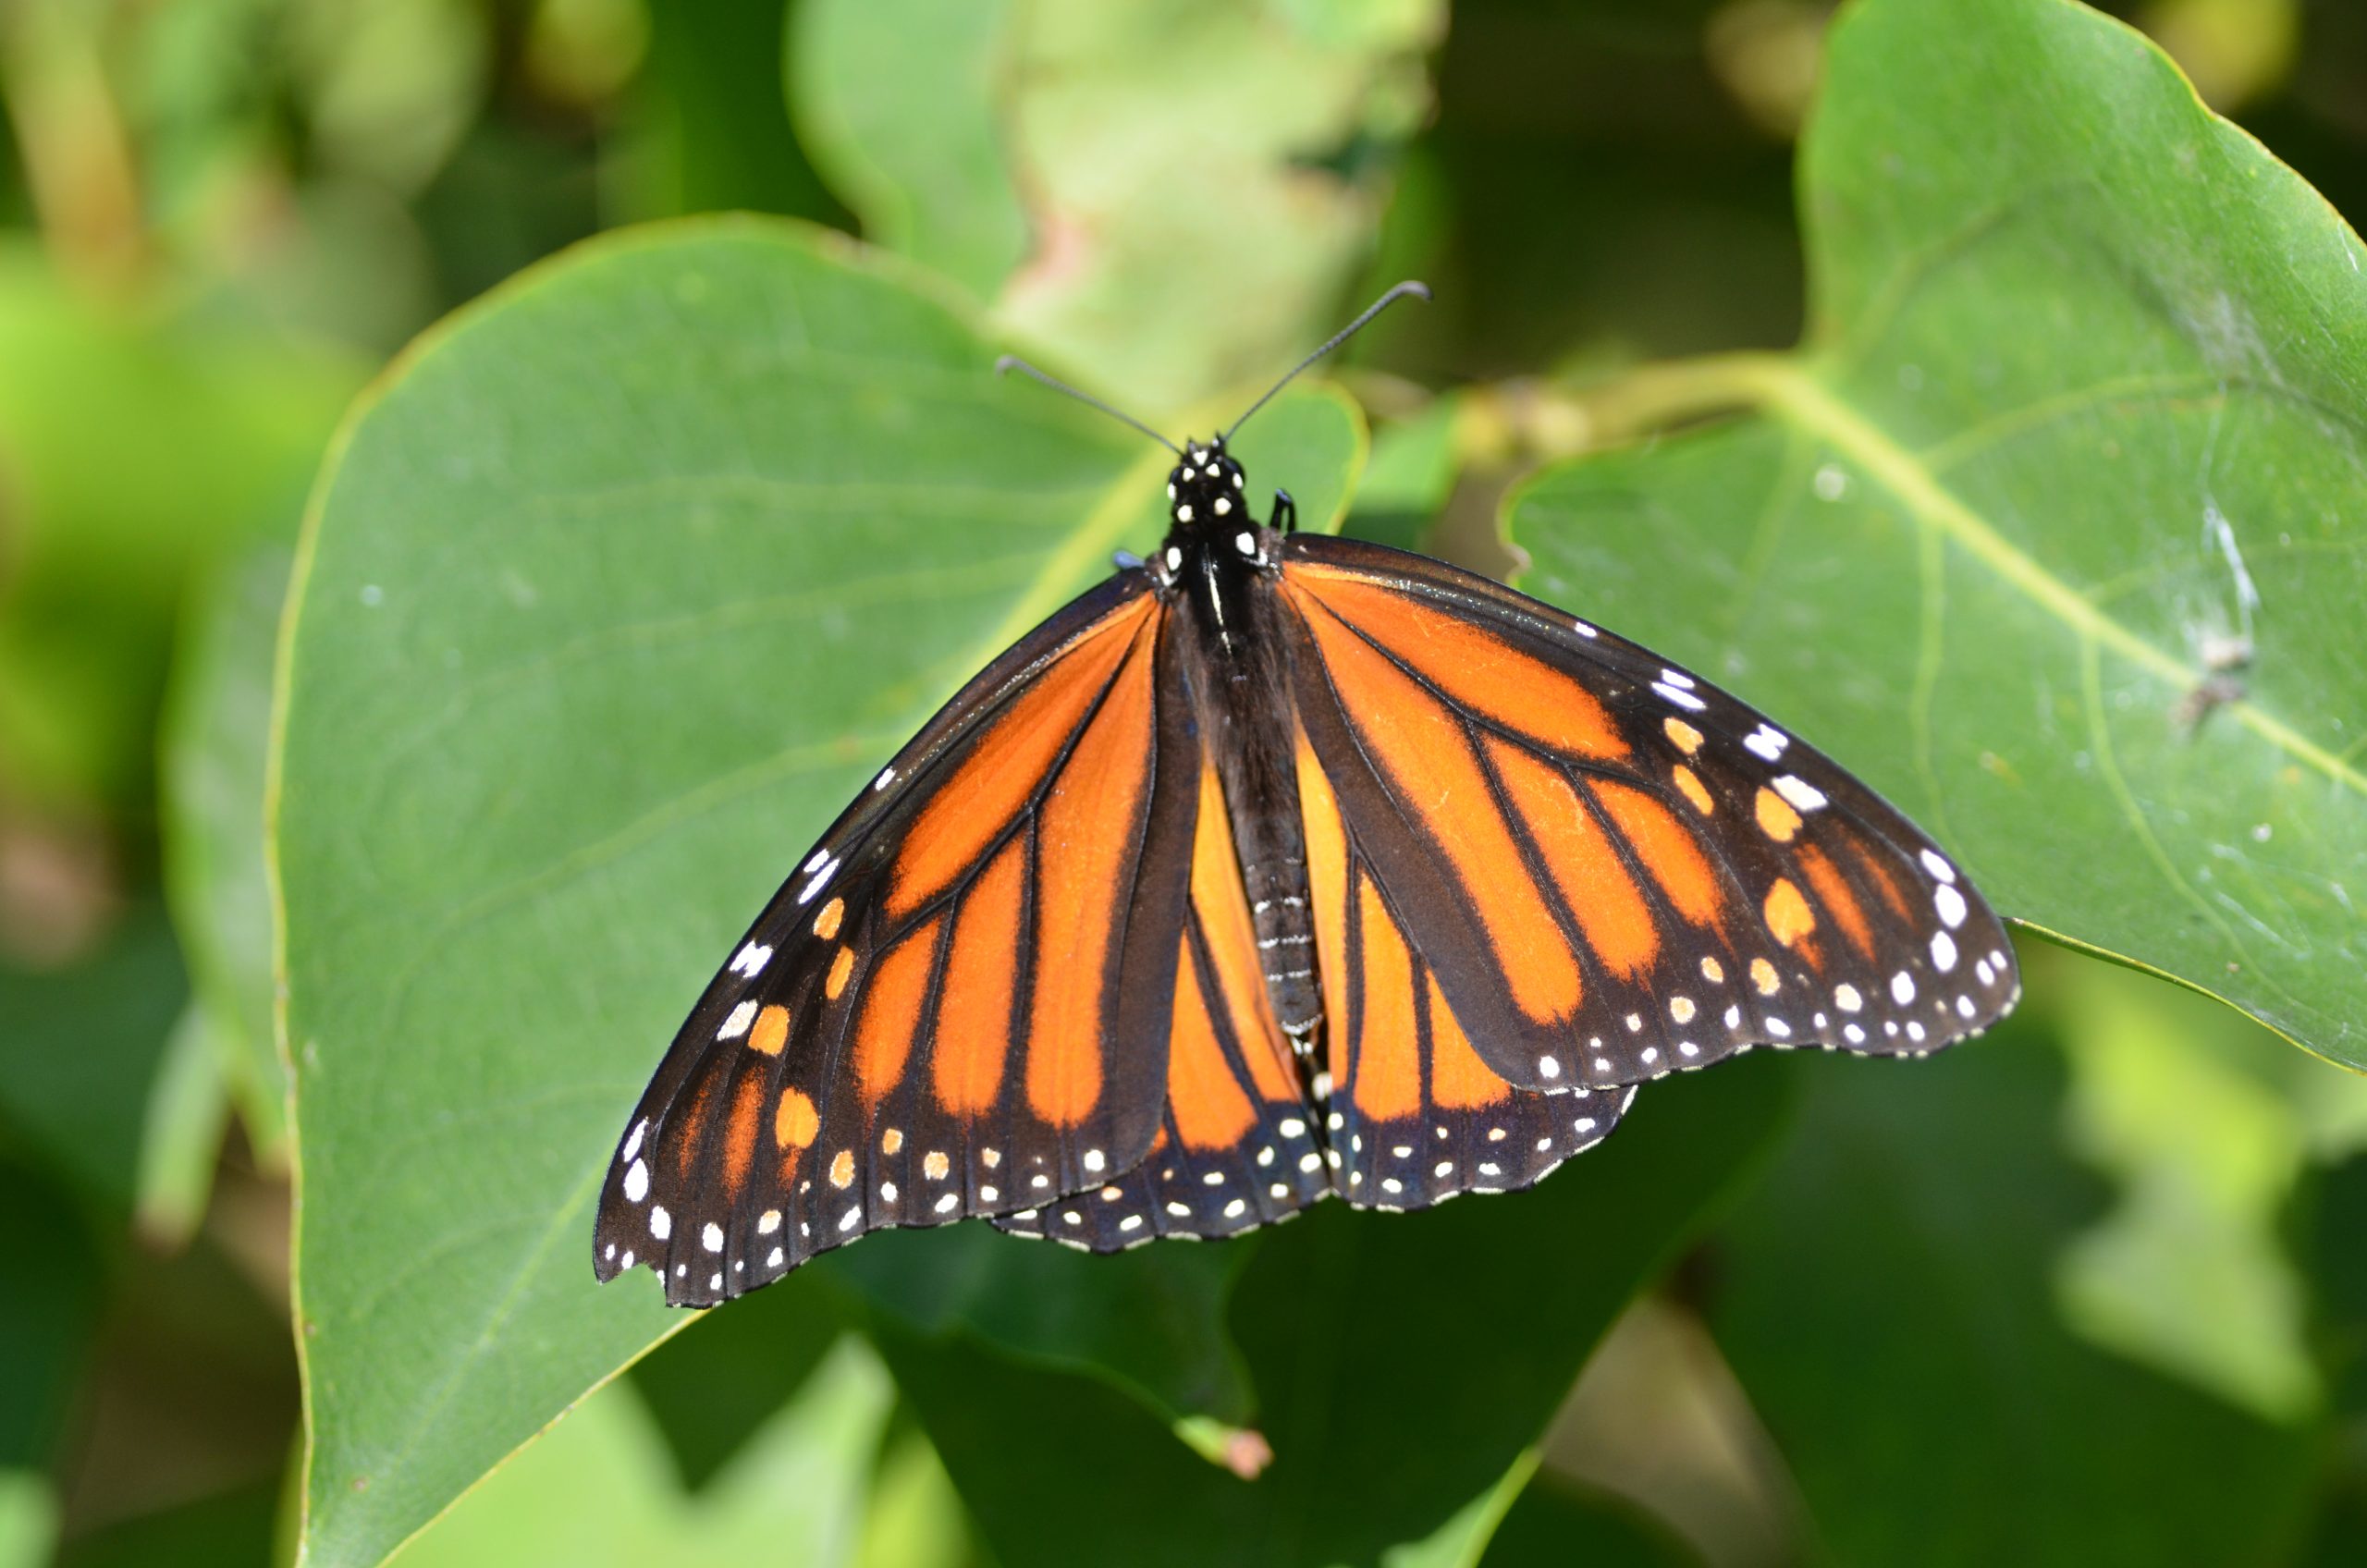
(1174, 558)
(1184, 512)
(1244, 541)
(1224, 507)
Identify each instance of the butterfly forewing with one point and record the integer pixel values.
(1612, 869)
(922, 1024)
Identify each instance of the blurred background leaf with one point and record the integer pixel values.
(1884, 1297)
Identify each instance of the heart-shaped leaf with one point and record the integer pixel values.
(622, 582)
(2054, 526)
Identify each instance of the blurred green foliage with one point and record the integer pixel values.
(2088, 1291)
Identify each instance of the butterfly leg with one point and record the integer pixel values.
(1285, 518)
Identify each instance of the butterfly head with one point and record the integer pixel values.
(1204, 491)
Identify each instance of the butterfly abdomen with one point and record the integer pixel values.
(1237, 658)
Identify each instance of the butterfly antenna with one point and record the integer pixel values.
(1010, 362)
(1419, 291)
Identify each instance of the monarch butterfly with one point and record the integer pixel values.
(1277, 866)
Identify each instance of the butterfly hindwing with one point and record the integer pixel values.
(1611, 868)
(1237, 1146)
(1416, 1113)
(922, 1024)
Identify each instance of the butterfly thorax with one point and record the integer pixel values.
(1221, 568)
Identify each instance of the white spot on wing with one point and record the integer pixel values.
(736, 1024)
(637, 1182)
(1799, 792)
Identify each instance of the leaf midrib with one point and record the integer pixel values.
(1787, 388)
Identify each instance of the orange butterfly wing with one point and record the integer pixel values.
(1416, 1112)
(924, 1023)
(1609, 868)
(1237, 1146)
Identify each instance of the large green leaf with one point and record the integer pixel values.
(1885, 1295)
(1401, 1364)
(621, 585)
(2081, 422)
(597, 1490)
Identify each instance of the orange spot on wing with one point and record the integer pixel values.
(739, 1131)
(1210, 1111)
(794, 1120)
(1610, 908)
(1789, 919)
(835, 983)
(1384, 1071)
(770, 1031)
(1459, 1080)
(974, 1020)
(1326, 882)
(1776, 817)
(1832, 892)
(1223, 910)
(1091, 823)
(1478, 669)
(1689, 785)
(988, 786)
(826, 925)
(891, 1013)
(1667, 848)
(1434, 774)
(1685, 738)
